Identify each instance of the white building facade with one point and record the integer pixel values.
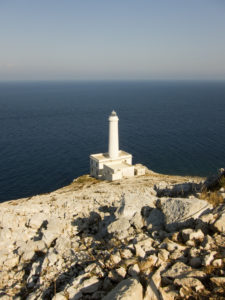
(115, 164)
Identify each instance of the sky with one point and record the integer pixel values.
(112, 40)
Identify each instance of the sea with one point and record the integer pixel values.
(49, 129)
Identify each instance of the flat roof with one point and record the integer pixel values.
(105, 156)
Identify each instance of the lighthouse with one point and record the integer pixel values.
(114, 164)
(113, 135)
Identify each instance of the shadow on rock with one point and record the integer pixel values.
(94, 225)
(178, 190)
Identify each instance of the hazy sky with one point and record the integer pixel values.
(112, 39)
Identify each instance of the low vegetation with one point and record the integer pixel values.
(213, 195)
(86, 179)
(214, 198)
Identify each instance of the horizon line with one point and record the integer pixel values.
(111, 80)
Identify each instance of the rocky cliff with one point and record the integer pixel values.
(148, 237)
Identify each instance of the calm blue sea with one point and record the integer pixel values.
(48, 129)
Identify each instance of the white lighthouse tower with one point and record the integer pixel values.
(113, 135)
(115, 164)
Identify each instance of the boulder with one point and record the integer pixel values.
(117, 275)
(219, 224)
(207, 259)
(134, 270)
(208, 242)
(126, 253)
(126, 290)
(153, 285)
(11, 262)
(218, 281)
(190, 283)
(148, 263)
(190, 234)
(139, 251)
(217, 263)
(212, 182)
(54, 229)
(83, 284)
(155, 220)
(59, 296)
(179, 212)
(137, 221)
(90, 285)
(163, 255)
(171, 246)
(182, 189)
(132, 203)
(119, 228)
(115, 258)
(37, 220)
(178, 270)
(146, 244)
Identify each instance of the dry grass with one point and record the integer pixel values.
(209, 269)
(214, 198)
(222, 182)
(85, 179)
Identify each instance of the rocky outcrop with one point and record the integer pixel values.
(112, 240)
(213, 181)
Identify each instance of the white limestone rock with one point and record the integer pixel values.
(171, 246)
(139, 251)
(163, 255)
(207, 218)
(119, 228)
(37, 220)
(207, 259)
(52, 258)
(190, 234)
(208, 242)
(153, 284)
(115, 258)
(126, 290)
(190, 283)
(137, 221)
(131, 205)
(90, 285)
(134, 270)
(155, 220)
(148, 263)
(28, 255)
(146, 244)
(178, 270)
(168, 293)
(117, 274)
(180, 211)
(44, 231)
(217, 263)
(11, 262)
(220, 224)
(218, 281)
(54, 229)
(59, 296)
(126, 253)
(5, 233)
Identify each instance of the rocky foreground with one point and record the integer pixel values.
(148, 237)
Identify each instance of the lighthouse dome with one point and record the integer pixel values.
(113, 113)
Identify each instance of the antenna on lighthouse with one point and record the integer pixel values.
(113, 135)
